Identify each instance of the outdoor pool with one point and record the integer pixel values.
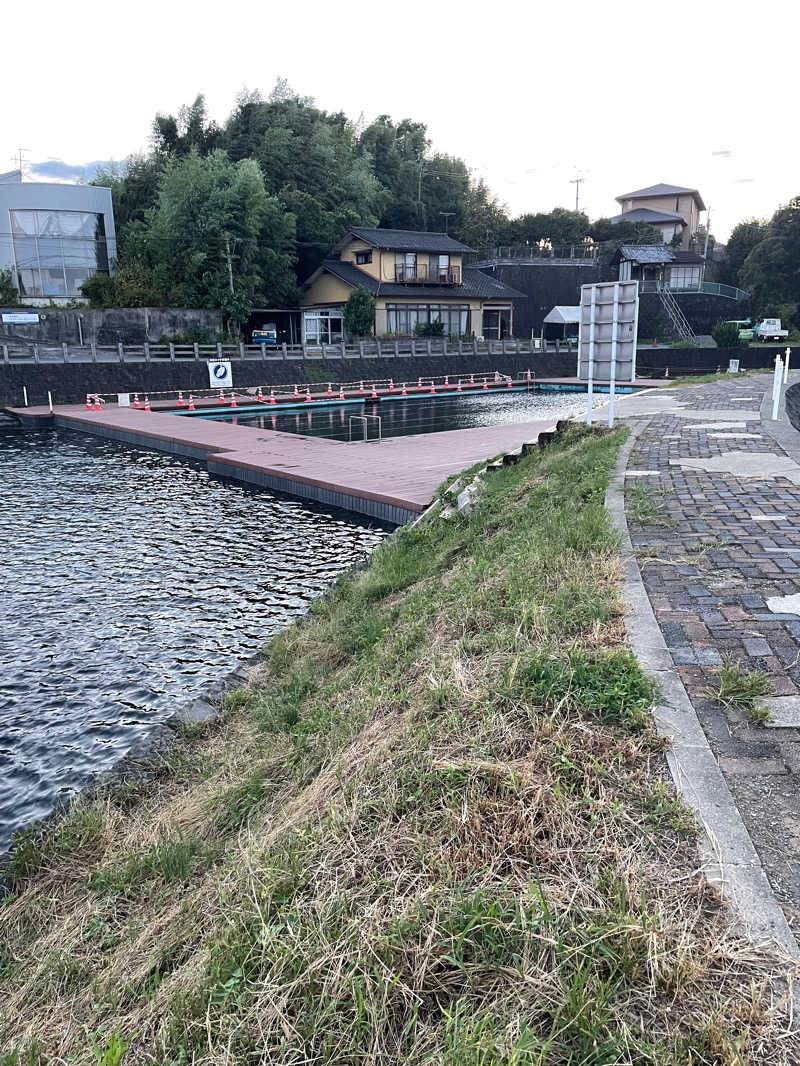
(131, 580)
(400, 418)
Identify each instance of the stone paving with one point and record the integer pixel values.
(719, 554)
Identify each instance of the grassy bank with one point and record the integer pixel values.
(435, 829)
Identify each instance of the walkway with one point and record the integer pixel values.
(392, 481)
(713, 507)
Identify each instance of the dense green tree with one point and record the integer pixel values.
(483, 222)
(741, 242)
(603, 231)
(556, 227)
(359, 313)
(134, 187)
(190, 130)
(8, 290)
(771, 271)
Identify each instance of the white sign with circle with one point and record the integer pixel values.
(220, 374)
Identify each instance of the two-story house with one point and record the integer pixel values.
(415, 277)
(670, 208)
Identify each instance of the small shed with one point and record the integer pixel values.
(562, 322)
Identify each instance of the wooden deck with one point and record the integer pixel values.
(392, 480)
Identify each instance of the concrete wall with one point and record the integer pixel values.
(545, 285)
(132, 325)
(702, 310)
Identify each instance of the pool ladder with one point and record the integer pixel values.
(365, 420)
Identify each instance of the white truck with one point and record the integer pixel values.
(769, 329)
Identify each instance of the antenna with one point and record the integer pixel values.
(577, 183)
(21, 161)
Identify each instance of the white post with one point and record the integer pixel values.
(590, 372)
(786, 366)
(776, 388)
(50, 401)
(612, 375)
(25, 395)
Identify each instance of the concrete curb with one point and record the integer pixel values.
(728, 857)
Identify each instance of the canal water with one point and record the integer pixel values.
(423, 414)
(130, 581)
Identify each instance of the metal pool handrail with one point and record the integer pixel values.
(365, 419)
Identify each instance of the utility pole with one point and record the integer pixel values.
(708, 230)
(577, 183)
(230, 265)
(446, 214)
(21, 162)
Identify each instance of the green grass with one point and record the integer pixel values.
(644, 507)
(740, 690)
(432, 831)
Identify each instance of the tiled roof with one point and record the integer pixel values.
(406, 240)
(476, 285)
(647, 214)
(687, 257)
(647, 253)
(662, 189)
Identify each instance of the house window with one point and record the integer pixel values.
(405, 266)
(323, 327)
(363, 257)
(685, 276)
(404, 318)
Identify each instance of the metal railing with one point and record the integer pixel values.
(711, 288)
(579, 251)
(423, 274)
(366, 419)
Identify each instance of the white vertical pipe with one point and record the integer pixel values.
(786, 366)
(776, 388)
(25, 395)
(612, 374)
(590, 374)
(50, 401)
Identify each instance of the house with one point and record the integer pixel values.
(54, 237)
(672, 209)
(415, 277)
(658, 266)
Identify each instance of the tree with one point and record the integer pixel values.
(741, 242)
(191, 130)
(726, 334)
(484, 222)
(359, 313)
(8, 290)
(771, 270)
(559, 226)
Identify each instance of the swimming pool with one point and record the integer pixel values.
(399, 418)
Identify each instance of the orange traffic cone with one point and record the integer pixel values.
(88, 402)
(191, 402)
(97, 405)
(308, 394)
(147, 404)
(260, 395)
(136, 400)
(221, 396)
(180, 398)
(272, 396)
(233, 400)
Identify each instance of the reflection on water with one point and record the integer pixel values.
(130, 581)
(399, 418)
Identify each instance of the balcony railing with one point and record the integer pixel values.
(408, 274)
(711, 288)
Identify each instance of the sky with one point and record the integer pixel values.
(530, 95)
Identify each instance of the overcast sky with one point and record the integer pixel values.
(529, 95)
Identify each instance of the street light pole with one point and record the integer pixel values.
(446, 214)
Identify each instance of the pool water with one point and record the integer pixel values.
(400, 418)
(131, 580)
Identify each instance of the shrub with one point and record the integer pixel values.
(429, 329)
(359, 313)
(726, 335)
(8, 291)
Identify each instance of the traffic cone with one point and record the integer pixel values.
(341, 392)
(260, 395)
(295, 393)
(147, 404)
(136, 400)
(308, 394)
(88, 402)
(509, 384)
(485, 385)
(374, 395)
(459, 389)
(666, 373)
(446, 382)
(97, 405)
(191, 402)
(472, 379)
(272, 396)
(404, 391)
(528, 375)
(330, 390)
(419, 383)
(361, 387)
(221, 396)
(180, 398)
(233, 400)
(433, 387)
(391, 384)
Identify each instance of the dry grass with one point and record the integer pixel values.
(434, 831)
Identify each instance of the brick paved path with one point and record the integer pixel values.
(721, 546)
